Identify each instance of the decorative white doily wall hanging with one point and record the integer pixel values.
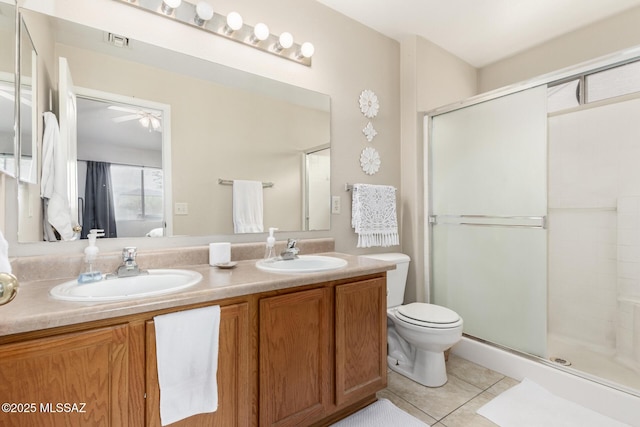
(370, 160)
(369, 132)
(369, 105)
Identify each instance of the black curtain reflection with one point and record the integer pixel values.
(98, 208)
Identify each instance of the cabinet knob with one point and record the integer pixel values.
(8, 287)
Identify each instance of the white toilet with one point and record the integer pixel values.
(417, 333)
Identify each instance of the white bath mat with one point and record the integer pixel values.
(530, 405)
(382, 413)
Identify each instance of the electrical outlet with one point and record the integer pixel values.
(335, 204)
(181, 209)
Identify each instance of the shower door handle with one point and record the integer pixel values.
(491, 220)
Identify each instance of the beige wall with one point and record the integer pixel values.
(611, 35)
(349, 58)
(442, 77)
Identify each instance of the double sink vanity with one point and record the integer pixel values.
(300, 347)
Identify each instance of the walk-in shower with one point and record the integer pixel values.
(534, 219)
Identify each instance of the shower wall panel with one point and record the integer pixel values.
(594, 237)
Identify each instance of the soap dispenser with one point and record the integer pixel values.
(270, 251)
(90, 255)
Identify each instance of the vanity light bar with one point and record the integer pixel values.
(230, 27)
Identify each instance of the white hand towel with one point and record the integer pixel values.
(187, 349)
(53, 184)
(247, 207)
(373, 215)
(5, 265)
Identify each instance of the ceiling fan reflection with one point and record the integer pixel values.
(151, 120)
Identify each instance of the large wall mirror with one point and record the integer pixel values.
(174, 129)
(7, 87)
(28, 153)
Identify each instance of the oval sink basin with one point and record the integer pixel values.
(302, 264)
(157, 282)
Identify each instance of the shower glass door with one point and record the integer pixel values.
(488, 210)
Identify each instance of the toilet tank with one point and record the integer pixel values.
(396, 279)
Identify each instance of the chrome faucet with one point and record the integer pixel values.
(129, 266)
(291, 251)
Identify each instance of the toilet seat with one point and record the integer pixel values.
(428, 315)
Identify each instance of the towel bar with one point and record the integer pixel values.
(230, 182)
(349, 187)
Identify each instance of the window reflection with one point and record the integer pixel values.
(138, 199)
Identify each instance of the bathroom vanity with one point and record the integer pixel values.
(294, 350)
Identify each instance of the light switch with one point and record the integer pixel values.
(335, 204)
(181, 209)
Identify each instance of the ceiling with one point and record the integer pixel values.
(479, 31)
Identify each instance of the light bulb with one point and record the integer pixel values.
(168, 6)
(307, 50)
(204, 12)
(234, 22)
(286, 40)
(144, 121)
(260, 33)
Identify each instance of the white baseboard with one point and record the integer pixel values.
(608, 401)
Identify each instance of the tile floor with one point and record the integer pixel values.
(453, 405)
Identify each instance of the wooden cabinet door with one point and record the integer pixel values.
(75, 379)
(295, 358)
(234, 400)
(361, 339)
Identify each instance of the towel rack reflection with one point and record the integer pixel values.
(230, 182)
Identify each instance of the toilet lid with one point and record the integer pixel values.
(428, 315)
